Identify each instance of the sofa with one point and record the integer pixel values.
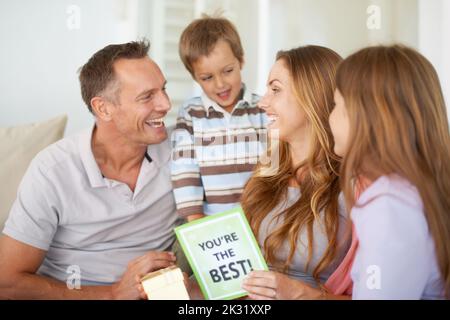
(18, 146)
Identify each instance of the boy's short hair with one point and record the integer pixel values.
(201, 35)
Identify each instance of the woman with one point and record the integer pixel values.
(295, 212)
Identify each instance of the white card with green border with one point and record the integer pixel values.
(221, 250)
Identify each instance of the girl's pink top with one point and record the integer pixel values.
(340, 282)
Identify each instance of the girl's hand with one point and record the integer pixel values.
(269, 285)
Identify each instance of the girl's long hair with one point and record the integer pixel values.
(398, 124)
(312, 70)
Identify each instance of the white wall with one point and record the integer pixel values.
(445, 67)
(40, 56)
(337, 24)
(434, 39)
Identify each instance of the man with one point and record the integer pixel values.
(97, 206)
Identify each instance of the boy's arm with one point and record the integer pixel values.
(195, 216)
(186, 179)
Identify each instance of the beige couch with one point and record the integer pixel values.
(18, 146)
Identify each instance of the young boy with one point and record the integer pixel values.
(219, 135)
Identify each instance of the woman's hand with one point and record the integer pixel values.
(269, 285)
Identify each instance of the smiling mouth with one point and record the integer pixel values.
(225, 94)
(155, 123)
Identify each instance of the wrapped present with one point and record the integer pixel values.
(165, 284)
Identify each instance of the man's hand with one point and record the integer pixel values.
(128, 288)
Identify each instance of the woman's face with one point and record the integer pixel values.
(339, 124)
(281, 106)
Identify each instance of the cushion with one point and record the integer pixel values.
(18, 146)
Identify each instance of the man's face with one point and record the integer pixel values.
(142, 101)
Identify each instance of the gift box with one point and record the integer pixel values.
(165, 284)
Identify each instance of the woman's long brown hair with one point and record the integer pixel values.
(398, 124)
(312, 70)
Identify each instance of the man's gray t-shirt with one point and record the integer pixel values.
(66, 207)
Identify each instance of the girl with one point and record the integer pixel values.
(390, 125)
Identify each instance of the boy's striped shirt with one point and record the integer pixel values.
(215, 152)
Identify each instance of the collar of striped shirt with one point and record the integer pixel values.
(209, 104)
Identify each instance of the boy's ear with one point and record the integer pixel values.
(101, 108)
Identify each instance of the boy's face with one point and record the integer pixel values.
(219, 75)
